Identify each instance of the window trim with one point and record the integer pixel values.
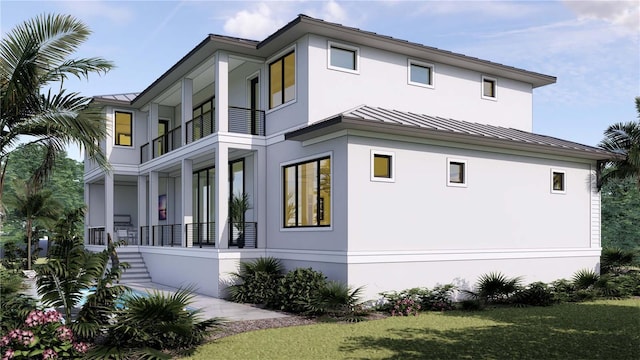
(115, 140)
(392, 165)
(300, 161)
(564, 181)
(465, 172)
(356, 60)
(281, 55)
(432, 70)
(495, 88)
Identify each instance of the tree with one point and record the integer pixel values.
(35, 206)
(621, 214)
(624, 140)
(35, 56)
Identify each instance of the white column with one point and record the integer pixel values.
(152, 129)
(143, 202)
(87, 202)
(187, 107)
(221, 91)
(108, 206)
(153, 203)
(222, 195)
(187, 202)
(260, 195)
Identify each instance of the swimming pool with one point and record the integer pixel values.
(119, 302)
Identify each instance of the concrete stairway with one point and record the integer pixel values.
(138, 272)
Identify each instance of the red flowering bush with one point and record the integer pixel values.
(43, 336)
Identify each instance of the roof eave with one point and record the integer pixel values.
(342, 122)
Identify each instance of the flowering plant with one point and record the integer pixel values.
(405, 307)
(42, 336)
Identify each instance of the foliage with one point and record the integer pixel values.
(614, 260)
(147, 325)
(535, 294)
(584, 279)
(337, 300)
(14, 256)
(495, 287)
(439, 299)
(624, 140)
(297, 288)
(256, 281)
(14, 305)
(42, 334)
(621, 214)
(238, 206)
(595, 330)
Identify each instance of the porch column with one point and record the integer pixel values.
(153, 204)
(186, 108)
(87, 219)
(152, 129)
(260, 195)
(221, 91)
(142, 205)
(222, 195)
(187, 202)
(108, 205)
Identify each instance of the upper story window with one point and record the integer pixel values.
(558, 185)
(421, 74)
(123, 135)
(282, 80)
(344, 57)
(307, 194)
(456, 172)
(489, 88)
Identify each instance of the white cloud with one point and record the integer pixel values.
(333, 12)
(500, 9)
(109, 10)
(625, 14)
(257, 23)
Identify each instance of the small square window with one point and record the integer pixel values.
(489, 88)
(382, 166)
(343, 57)
(420, 74)
(558, 184)
(457, 173)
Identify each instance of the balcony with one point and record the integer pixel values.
(241, 121)
(200, 235)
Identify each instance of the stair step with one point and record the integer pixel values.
(137, 271)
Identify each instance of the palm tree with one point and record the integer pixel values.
(36, 206)
(35, 56)
(623, 139)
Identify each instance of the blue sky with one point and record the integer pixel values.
(592, 47)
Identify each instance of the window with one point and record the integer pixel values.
(457, 173)
(420, 74)
(307, 194)
(343, 57)
(282, 80)
(124, 127)
(558, 184)
(382, 168)
(489, 88)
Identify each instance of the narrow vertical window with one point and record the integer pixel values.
(558, 184)
(456, 173)
(123, 128)
(282, 80)
(489, 90)
(307, 194)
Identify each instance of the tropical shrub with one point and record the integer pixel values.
(584, 279)
(535, 294)
(496, 287)
(14, 306)
(148, 326)
(296, 289)
(256, 281)
(394, 301)
(615, 260)
(439, 299)
(563, 290)
(337, 300)
(41, 336)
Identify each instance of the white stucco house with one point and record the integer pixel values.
(378, 161)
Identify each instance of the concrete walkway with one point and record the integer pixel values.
(214, 307)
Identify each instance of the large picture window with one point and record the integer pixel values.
(307, 194)
(282, 80)
(124, 128)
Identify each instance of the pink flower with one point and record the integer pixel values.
(49, 354)
(81, 347)
(64, 333)
(8, 354)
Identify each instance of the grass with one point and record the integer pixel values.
(607, 329)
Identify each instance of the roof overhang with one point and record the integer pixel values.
(341, 122)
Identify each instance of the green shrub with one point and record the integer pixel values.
(439, 299)
(563, 290)
(614, 260)
(535, 294)
(584, 279)
(257, 281)
(14, 306)
(392, 300)
(471, 305)
(337, 300)
(296, 289)
(495, 287)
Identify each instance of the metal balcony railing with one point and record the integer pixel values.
(97, 236)
(201, 234)
(243, 235)
(246, 121)
(166, 235)
(200, 126)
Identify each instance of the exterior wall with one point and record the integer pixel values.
(382, 81)
(96, 215)
(333, 238)
(238, 89)
(125, 201)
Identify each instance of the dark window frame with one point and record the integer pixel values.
(320, 204)
(282, 79)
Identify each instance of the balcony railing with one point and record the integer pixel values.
(200, 235)
(96, 236)
(200, 126)
(246, 121)
(167, 142)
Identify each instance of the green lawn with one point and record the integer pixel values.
(594, 330)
